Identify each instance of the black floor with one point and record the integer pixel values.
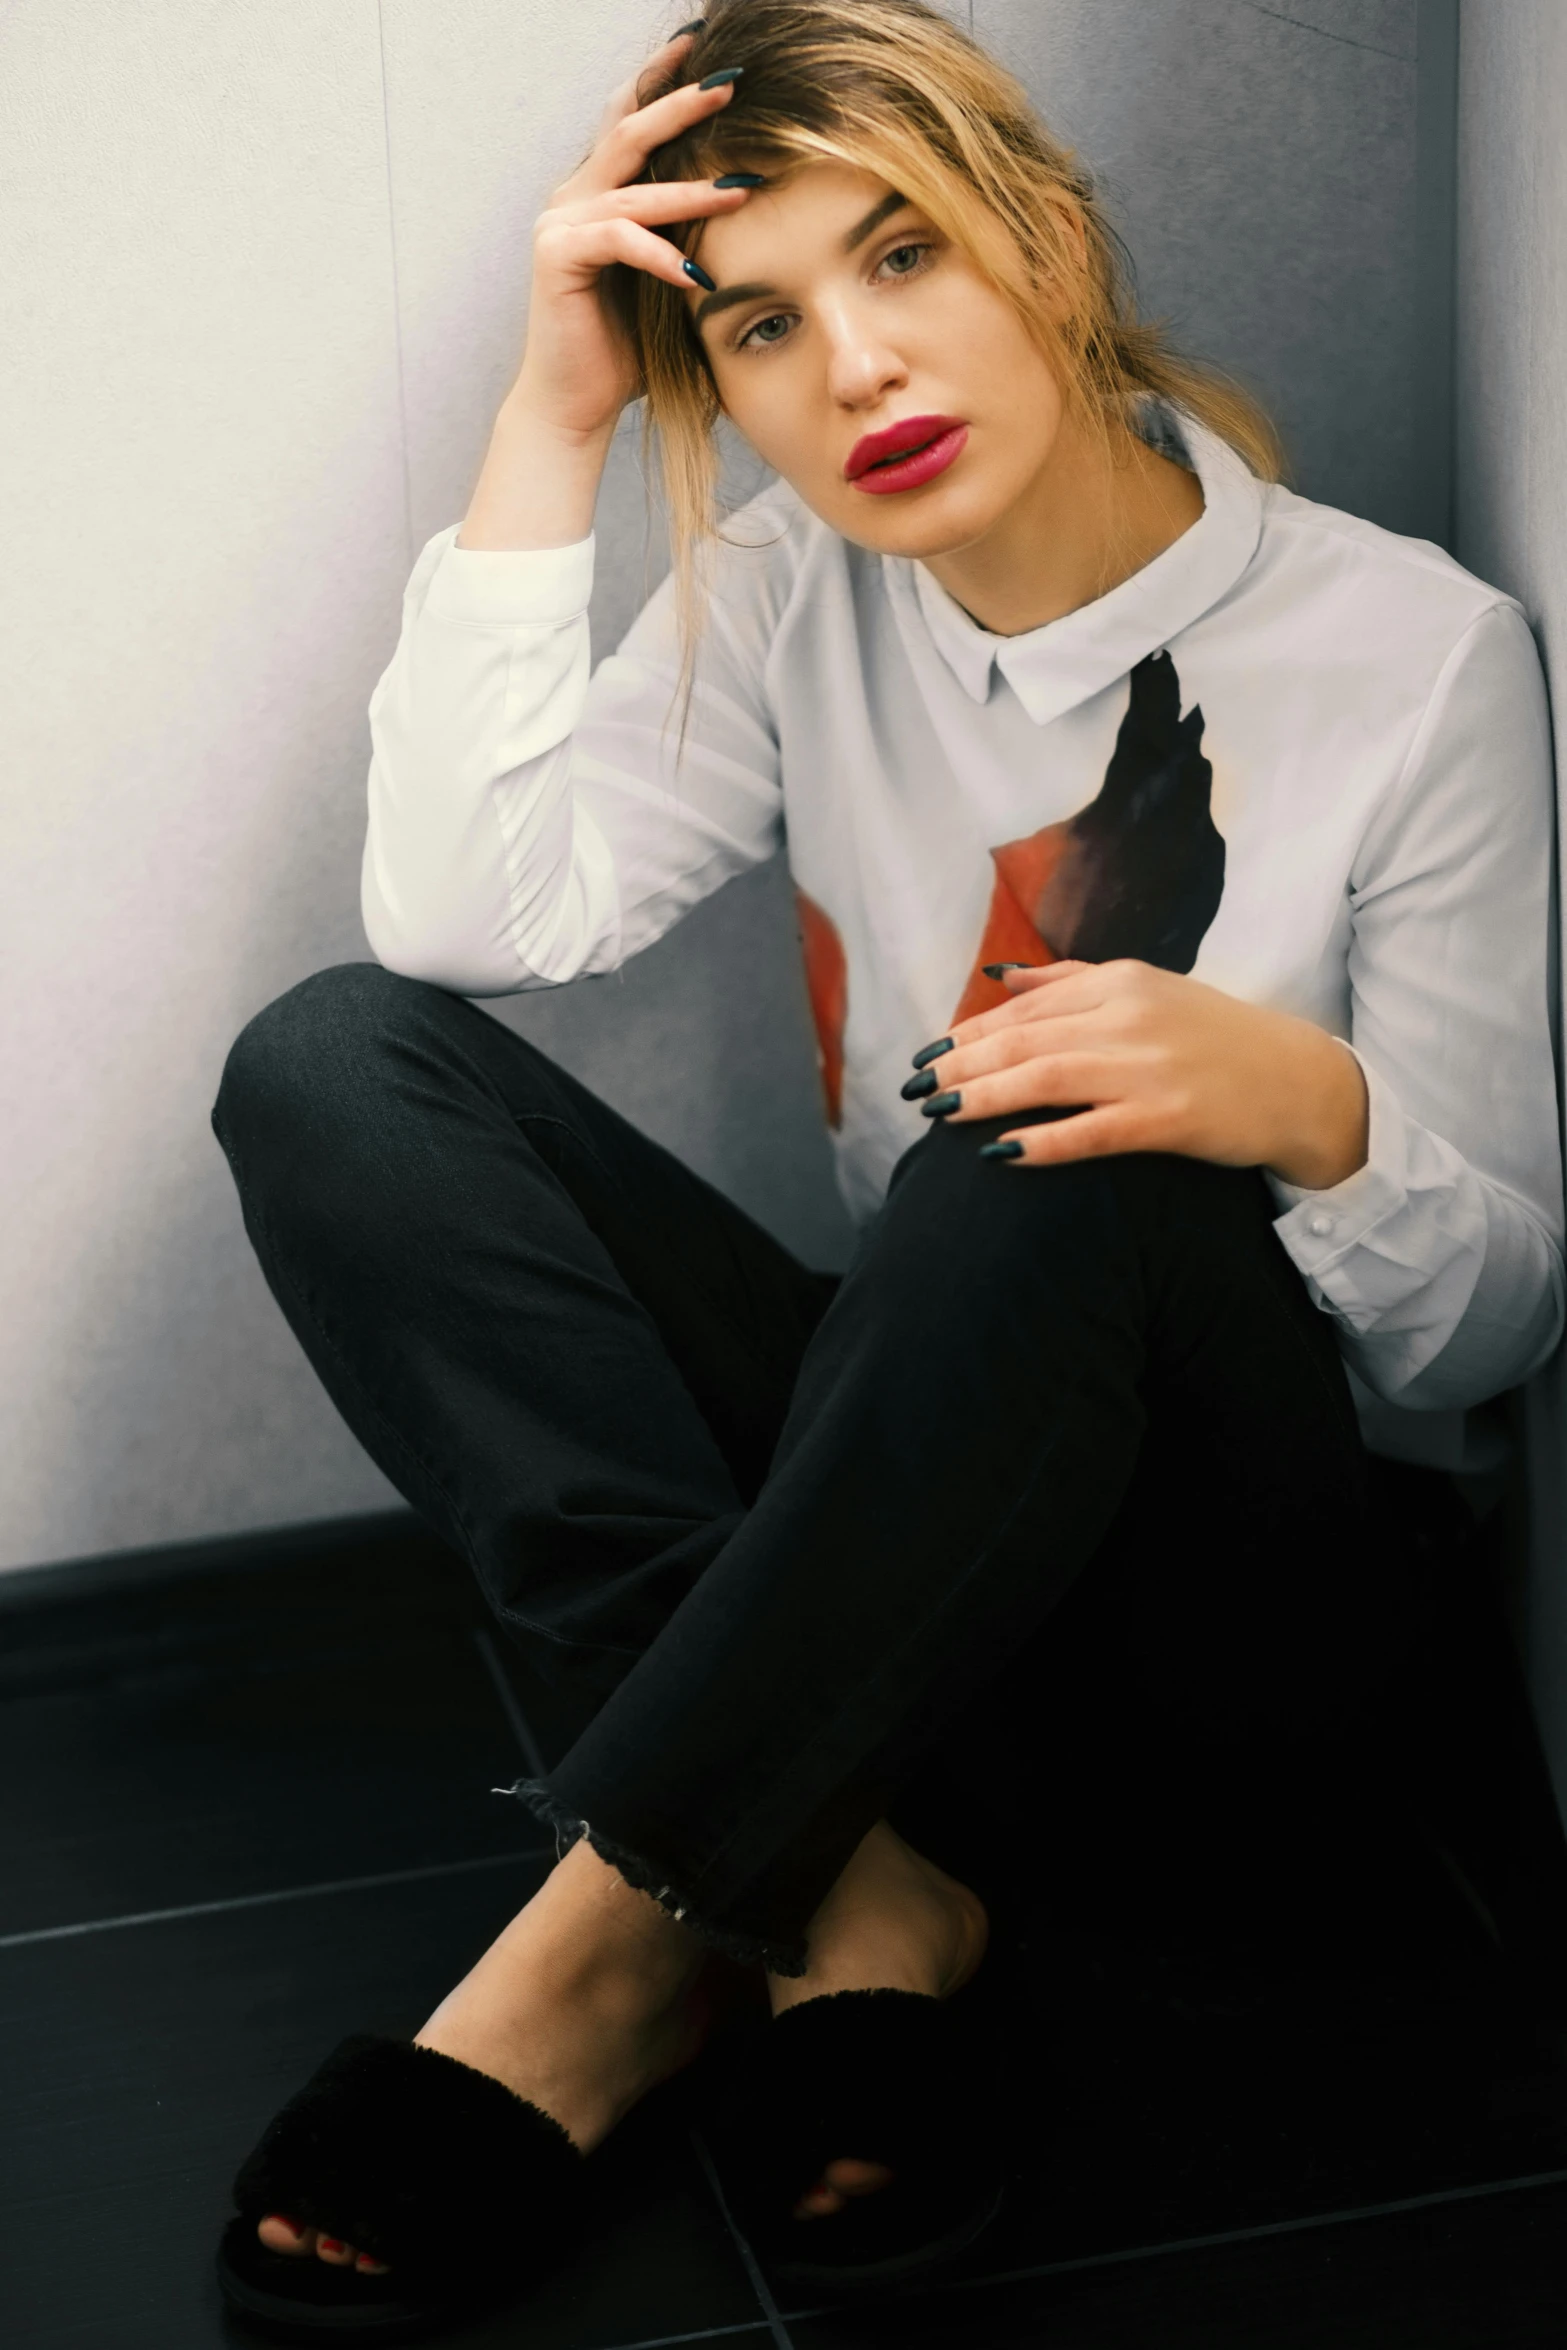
(1285, 2069)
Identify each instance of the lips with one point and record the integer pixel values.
(906, 453)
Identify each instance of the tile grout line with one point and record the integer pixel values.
(1321, 2220)
(205, 1909)
(749, 2325)
(753, 2267)
(511, 1703)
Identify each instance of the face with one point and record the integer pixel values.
(865, 358)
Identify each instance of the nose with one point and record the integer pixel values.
(862, 367)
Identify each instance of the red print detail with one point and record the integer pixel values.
(827, 984)
(1023, 871)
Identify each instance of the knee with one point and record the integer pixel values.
(945, 1198)
(297, 1069)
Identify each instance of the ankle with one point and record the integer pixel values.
(597, 1934)
(892, 1922)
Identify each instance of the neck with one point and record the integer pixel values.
(1091, 517)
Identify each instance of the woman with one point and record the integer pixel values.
(1172, 864)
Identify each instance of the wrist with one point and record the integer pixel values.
(1325, 1127)
(539, 484)
(522, 416)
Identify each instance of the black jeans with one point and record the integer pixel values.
(778, 1530)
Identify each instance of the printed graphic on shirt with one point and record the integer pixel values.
(827, 984)
(1139, 872)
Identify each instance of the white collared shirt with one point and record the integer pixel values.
(1354, 806)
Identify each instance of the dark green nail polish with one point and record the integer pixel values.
(1001, 1150)
(742, 179)
(716, 81)
(698, 276)
(943, 1105)
(932, 1052)
(696, 25)
(1000, 970)
(917, 1087)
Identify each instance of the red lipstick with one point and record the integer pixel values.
(904, 455)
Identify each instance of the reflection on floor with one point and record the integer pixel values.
(1281, 2036)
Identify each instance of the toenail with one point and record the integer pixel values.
(333, 2244)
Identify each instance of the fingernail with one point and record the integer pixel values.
(917, 1087)
(332, 2244)
(1000, 970)
(941, 1107)
(932, 1052)
(741, 179)
(1001, 1150)
(695, 26)
(716, 81)
(699, 277)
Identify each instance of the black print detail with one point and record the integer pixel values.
(1141, 871)
(1138, 872)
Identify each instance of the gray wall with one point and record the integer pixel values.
(266, 274)
(1265, 165)
(1512, 527)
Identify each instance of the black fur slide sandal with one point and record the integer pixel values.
(864, 2076)
(464, 2189)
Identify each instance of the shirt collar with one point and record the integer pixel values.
(1052, 669)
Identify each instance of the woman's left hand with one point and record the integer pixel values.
(1159, 1062)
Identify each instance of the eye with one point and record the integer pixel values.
(766, 331)
(905, 260)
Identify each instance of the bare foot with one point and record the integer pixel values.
(583, 2004)
(892, 1922)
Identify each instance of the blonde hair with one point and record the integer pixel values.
(892, 88)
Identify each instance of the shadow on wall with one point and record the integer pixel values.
(743, 1106)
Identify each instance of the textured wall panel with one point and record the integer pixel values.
(1512, 527)
(204, 528)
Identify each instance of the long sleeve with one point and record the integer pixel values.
(529, 823)
(1442, 1257)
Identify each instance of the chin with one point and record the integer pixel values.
(921, 523)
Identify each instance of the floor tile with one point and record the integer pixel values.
(238, 1735)
(139, 2066)
(179, 1783)
(1238, 1993)
(1483, 2275)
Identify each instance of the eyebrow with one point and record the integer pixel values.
(873, 220)
(755, 290)
(727, 298)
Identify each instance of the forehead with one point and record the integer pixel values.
(796, 225)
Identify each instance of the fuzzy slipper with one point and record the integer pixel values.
(461, 2187)
(867, 2076)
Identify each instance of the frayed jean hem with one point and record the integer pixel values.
(779, 1958)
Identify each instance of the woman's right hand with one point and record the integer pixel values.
(540, 479)
(578, 370)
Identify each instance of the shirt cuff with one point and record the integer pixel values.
(542, 587)
(1319, 1228)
